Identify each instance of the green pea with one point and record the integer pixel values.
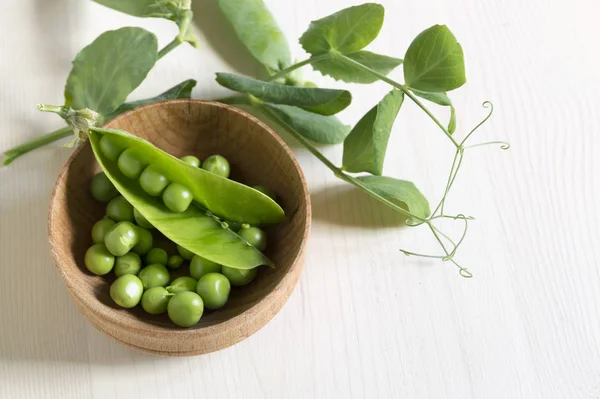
(157, 255)
(217, 164)
(99, 260)
(185, 309)
(214, 290)
(119, 210)
(110, 147)
(130, 263)
(121, 238)
(126, 291)
(200, 266)
(155, 300)
(255, 237)
(154, 276)
(153, 181)
(185, 254)
(239, 277)
(102, 188)
(192, 160)
(266, 191)
(129, 164)
(141, 220)
(174, 262)
(145, 242)
(177, 197)
(182, 284)
(100, 228)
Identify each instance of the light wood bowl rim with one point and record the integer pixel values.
(234, 322)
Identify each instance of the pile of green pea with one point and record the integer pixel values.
(124, 244)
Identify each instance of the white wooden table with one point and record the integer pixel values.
(364, 321)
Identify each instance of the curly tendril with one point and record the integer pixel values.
(464, 272)
(486, 104)
(503, 144)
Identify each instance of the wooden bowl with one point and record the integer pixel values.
(181, 127)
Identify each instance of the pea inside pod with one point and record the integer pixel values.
(102, 189)
(195, 229)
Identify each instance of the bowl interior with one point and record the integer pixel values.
(184, 127)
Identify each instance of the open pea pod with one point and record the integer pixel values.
(223, 197)
(195, 229)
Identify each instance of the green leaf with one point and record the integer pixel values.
(317, 128)
(434, 61)
(452, 123)
(258, 31)
(437, 98)
(181, 90)
(441, 99)
(346, 31)
(401, 192)
(320, 101)
(141, 8)
(111, 67)
(340, 70)
(366, 145)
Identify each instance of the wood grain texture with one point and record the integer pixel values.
(364, 321)
(183, 127)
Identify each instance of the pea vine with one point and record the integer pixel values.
(433, 65)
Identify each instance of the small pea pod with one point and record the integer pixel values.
(194, 229)
(223, 197)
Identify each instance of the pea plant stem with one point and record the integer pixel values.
(169, 47)
(456, 163)
(57, 109)
(14, 153)
(297, 65)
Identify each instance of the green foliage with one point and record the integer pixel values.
(401, 192)
(434, 61)
(111, 67)
(317, 128)
(366, 145)
(141, 8)
(346, 31)
(443, 100)
(339, 70)
(181, 90)
(320, 101)
(258, 31)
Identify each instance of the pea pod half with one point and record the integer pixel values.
(195, 229)
(223, 197)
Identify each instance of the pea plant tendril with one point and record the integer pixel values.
(433, 66)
